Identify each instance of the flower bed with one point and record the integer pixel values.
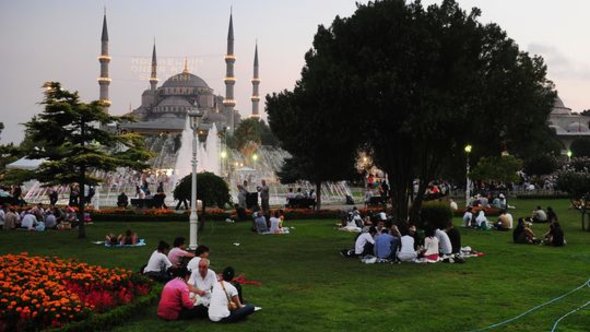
(48, 292)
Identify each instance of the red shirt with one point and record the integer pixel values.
(175, 295)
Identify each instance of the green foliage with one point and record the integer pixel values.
(576, 183)
(436, 214)
(543, 164)
(497, 168)
(251, 130)
(581, 147)
(414, 85)
(212, 190)
(579, 164)
(71, 136)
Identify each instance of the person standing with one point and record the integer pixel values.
(264, 196)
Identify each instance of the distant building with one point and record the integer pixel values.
(568, 126)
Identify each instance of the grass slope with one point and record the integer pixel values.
(307, 286)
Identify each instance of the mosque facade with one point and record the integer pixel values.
(164, 108)
(568, 125)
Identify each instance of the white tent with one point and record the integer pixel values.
(27, 164)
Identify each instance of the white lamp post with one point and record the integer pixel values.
(468, 148)
(195, 115)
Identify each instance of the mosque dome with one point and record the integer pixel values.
(185, 79)
(559, 107)
(577, 127)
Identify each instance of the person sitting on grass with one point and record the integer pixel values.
(504, 221)
(554, 237)
(481, 220)
(551, 215)
(363, 245)
(203, 280)
(523, 233)
(468, 217)
(275, 224)
(260, 223)
(407, 253)
(454, 237)
(226, 306)
(200, 253)
(158, 265)
(539, 215)
(178, 253)
(430, 251)
(386, 245)
(175, 302)
(128, 239)
(445, 246)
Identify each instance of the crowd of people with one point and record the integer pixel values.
(382, 239)
(192, 289)
(38, 217)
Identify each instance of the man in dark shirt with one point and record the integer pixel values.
(455, 237)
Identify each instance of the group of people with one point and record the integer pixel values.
(37, 218)
(399, 243)
(192, 289)
(129, 238)
(272, 225)
(12, 195)
(554, 236)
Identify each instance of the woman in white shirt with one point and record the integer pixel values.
(430, 245)
(158, 264)
(481, 220)
(222, 295)
(406, 252)
(275, 224)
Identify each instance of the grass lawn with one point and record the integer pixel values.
(308, 286)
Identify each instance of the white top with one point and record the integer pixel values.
(28, 221)
(193, 264)
(407, 244)
(481, 219)
(274, 225)
(454, 206)
(158, 262)
(510, 220)
(467, 217)
(431, 246)
(218, 306)
(205, 284)
(359, 245)
(444, 243)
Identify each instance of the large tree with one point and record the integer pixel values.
(72, 138)
(416, 84)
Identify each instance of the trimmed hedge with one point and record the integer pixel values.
(436, 214)
(106, 321)
(543, 196)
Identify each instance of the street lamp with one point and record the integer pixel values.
(195, 115)
(255, 157)
(468, 148)
(569, 155)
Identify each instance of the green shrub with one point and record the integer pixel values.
(435, 214)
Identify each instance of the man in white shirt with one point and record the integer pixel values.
(203, 279)
(200, 253)
(365, 243)
(444, 243)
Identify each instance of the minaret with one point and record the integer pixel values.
(229, 103)
(104, 59)
(154, 76)
(255, 82)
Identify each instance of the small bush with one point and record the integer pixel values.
(435, 214)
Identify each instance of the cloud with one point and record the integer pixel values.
(560, 65)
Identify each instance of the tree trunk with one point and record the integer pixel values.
(318, 195)
(81, 226)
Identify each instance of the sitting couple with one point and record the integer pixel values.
(276, 224)
(217, 299)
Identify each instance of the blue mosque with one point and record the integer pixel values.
(164, 108)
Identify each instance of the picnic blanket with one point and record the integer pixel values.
(140, 243)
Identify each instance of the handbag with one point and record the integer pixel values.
(231, 305)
